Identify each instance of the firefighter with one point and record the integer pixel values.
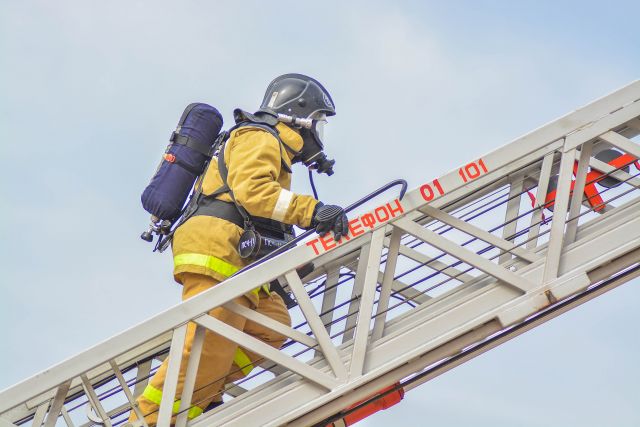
(250, 182)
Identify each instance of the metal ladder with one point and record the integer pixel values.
(461, 264)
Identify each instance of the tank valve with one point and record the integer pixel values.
(154, 228)
(147, 236)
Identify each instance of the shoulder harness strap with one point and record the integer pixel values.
(222, 167)
(224, 171)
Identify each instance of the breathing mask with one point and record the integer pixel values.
(312, 133)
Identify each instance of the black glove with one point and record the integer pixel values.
(330, 218)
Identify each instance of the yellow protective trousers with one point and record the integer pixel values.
(222, 361)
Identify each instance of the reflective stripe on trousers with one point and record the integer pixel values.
(226, 269)
(154, 395)
(214, 264)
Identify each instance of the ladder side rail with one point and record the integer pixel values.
(346, 253)
(400, 345)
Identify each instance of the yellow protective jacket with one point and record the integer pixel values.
(208, 245)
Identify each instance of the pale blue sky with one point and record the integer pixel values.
(89, 92)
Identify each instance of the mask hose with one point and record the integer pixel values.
(313, 185)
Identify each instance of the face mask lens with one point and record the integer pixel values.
(319, 122)
(319, 130)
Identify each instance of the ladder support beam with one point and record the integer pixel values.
(190, 376)
(269, 323)
(435, 265)
(511, 219)
(625, 144)
(256, 346)
(94, 401)
(465, 255)
(171, 379)
(479, 233)
(387, 282)
(57, 404)
(366, 305)
(327, 347)
(541, 196)
(356, 292)
(560, 208)
(578, 192)
(125, 388)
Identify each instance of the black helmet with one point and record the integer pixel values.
(297, 95)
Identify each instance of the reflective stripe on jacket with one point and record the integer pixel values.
(216, 265)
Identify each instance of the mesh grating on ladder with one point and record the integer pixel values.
(421, 284)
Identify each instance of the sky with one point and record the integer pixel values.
(90, 91)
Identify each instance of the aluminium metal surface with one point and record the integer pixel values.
(460, 259)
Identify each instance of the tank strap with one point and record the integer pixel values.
(224, 173)
(185, 113)
(201, 147)
(222, 167)
(172, 158)
(274, 228)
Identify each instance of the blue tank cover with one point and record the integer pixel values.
(185, 158)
